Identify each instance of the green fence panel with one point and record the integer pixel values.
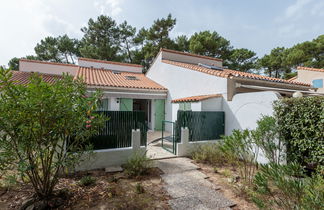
(117, 131)
(202, 125)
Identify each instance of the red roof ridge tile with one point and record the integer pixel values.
(190, 54)
(111, 62)
(225, 73)
(196, 98)
(47, 62)
(310, 68)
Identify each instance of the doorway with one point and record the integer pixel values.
(145, 106)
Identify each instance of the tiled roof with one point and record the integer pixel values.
(309, 69)
(190, 54)
(111, 62)
(108, 78)
(22, 78)
(293, 78)
(228, 72)
(196, 98)
(46, 62)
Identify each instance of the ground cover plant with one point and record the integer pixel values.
(44, 129)
(282, 183)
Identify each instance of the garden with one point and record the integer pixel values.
(44, 135)
(292, 142)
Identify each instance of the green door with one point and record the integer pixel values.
(159, 113)
(126, 104)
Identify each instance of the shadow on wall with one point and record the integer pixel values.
(246, 109)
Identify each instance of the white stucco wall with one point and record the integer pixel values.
(246, 109)
(114, 104)
(112, 157)
(116, 67)
(182, 82)
(49, 68)
(212, 104)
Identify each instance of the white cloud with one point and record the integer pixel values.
(110, 7)
(297, 8)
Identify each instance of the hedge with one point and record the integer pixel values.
(301, 127)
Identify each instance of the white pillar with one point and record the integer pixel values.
(136, 139)
(183, 146)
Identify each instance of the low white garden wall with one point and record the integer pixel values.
(185, 147)
(112, 157)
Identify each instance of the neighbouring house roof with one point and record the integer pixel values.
(309, 69)
(196, 98)
(46, 62)
(22, 78)
(190, 54)
(292, 79)
(109, 78)
(110, 62)
(226, 73)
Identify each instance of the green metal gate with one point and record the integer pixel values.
(202, 125)
(117, 132)
(168, 136)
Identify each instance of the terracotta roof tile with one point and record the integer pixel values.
(292, 79)
(22, 78)
(190, 54)
(228, 72)
(196, 98)
(111, 62)
(108, 78)
(309, 69)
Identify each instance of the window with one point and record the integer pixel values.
(318, 83)
(131, 78)
(185, 106)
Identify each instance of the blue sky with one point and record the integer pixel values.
(259, 25)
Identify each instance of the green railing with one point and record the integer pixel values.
(117, 132)
(168, 136)
(202, 125)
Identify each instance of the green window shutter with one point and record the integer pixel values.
(182, 106)
(126, 104)
(159, 113)
(187, 106)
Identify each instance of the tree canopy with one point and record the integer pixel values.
(104, 39)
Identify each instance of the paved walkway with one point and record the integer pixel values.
(189, 187)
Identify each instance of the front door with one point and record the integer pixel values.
(159, 113)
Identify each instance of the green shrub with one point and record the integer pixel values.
(301, 126)
(137, 165)
(285, 187)
(87, 181)
(266, 137)
(139, 189)
(240, 150)
(209, 153)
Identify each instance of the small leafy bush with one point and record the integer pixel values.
(87, 181)
(240, 150)
(301, 126)
(266, 137)
(139, 189)
(137, 165)
(286, 187)
(209, 153)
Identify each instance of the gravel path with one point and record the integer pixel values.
(189, 188)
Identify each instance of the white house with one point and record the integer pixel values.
(124, 86)
(314, 76)
(201, 83)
